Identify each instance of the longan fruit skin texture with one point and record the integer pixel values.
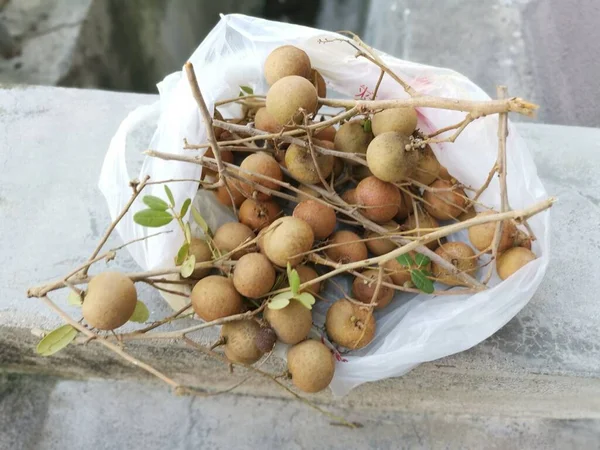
(428, 169)
(512, 260)
(364, 290)
(263, 121)
(352, 138)
(405, 207)
(201, 251)
(285, 61)
(240, 344)
(321, 218)
(214, 297)
(307, 190)
(231, 235)
(287, 96)
(482, 235)
(311, 365)
(446, 204)
(461, 256)
(291, 324)
(381, 246)
(348, 247)
(379, 198)
(258, 215)
(264, 164)
(326, 134)
(345, 323)
(425, 221)
(402, 120)
(318, 82)
(286, 239)
(350, 197)
(399, 273)
(388, 158)
(109, 301)
(253, 275)
(299, 162)
(226, 156)
(307, 273)
(224, 198)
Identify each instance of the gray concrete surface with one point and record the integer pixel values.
(539, 374)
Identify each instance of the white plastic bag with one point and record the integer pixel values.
(410, 330)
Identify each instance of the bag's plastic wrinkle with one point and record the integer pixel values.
(411, 331)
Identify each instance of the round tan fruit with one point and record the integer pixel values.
(426, 222)
(512, 260)
(218, 131)
(399, 273)
(224, 198)
(319, 83)
(258, 215)
(253, 275)
(307, 273)
(349, 325)
(109, 301)
(240, 341)
(346, 247)
(352, 138)
(482, 236)
(288, 96)
(311, 365)
(461, 256)
(201, 251)
(402, 120)
(285, 61)
(388, 158)
(428, 168)
(263, 164)
(309, 191)
(263, 121)
(381, 246)
(444, 205)
(292, 323)
(214, 297)
(321, 218)
(379, 199)
(364, 290)
(350, 197)
(286, 240)
(226, 156)
(326, 134)
(444, 175)
(405, 207)
(299, 162)
(230, 236)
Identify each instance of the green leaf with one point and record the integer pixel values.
(281, 300)
(140, 313)
(152, 218)
(185, 207)
(422, 260)
(426, 272)
(367, 126)
(421, 281)
(56, 340)
(155, 203)
(406, 260)
(182, 254)
(188, 266)
(188, 233)
(170, 195)
(200, 221)
(294, 279)
(74, 299)
(306, 299)
(247, 89)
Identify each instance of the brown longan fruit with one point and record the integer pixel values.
(218, 131)
(326, 134)
(226, 156)
(349, 325)
(424, 221)
(240, 341)
(285, 61)
(321, 218)
(224, 198)
(263, 121)
(299, 162)
(388, 158)
(403, 120)
(286, 240)
(401, 274)
(288, 96)
(428, 168)
(381, 246)
(258, 215)
(482, 235)
(230, 236)
(338, 167)
(444, 175)
(307, 190)
(468, 214)
(379, 199)
(253, 275)
(264, 164)
(201, 251)
(405, 207)
(461, 256)
(311, 365)
(444, 205)
(364, 290)
(319, 83)
(307, 273)
(109, 301)
(347, 247)
(352, 138)
(214, 297)
(350, 197)
(292, 323)
(512, 260)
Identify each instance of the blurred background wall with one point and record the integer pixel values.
(544, 50)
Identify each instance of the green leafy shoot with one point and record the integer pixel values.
(152, 218)
(294, 279)
(155, 203)
(74, 299)
(246, 90)
(420, 280)
(185, 207)
(406, 260)
(170, 196)
(188, 266)
(188, 233)
(182, 254)
(422, 260)
(201, 222)
(367, 126)
(56, 340)
(140, 313)
(306, 299)
(282, 299)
